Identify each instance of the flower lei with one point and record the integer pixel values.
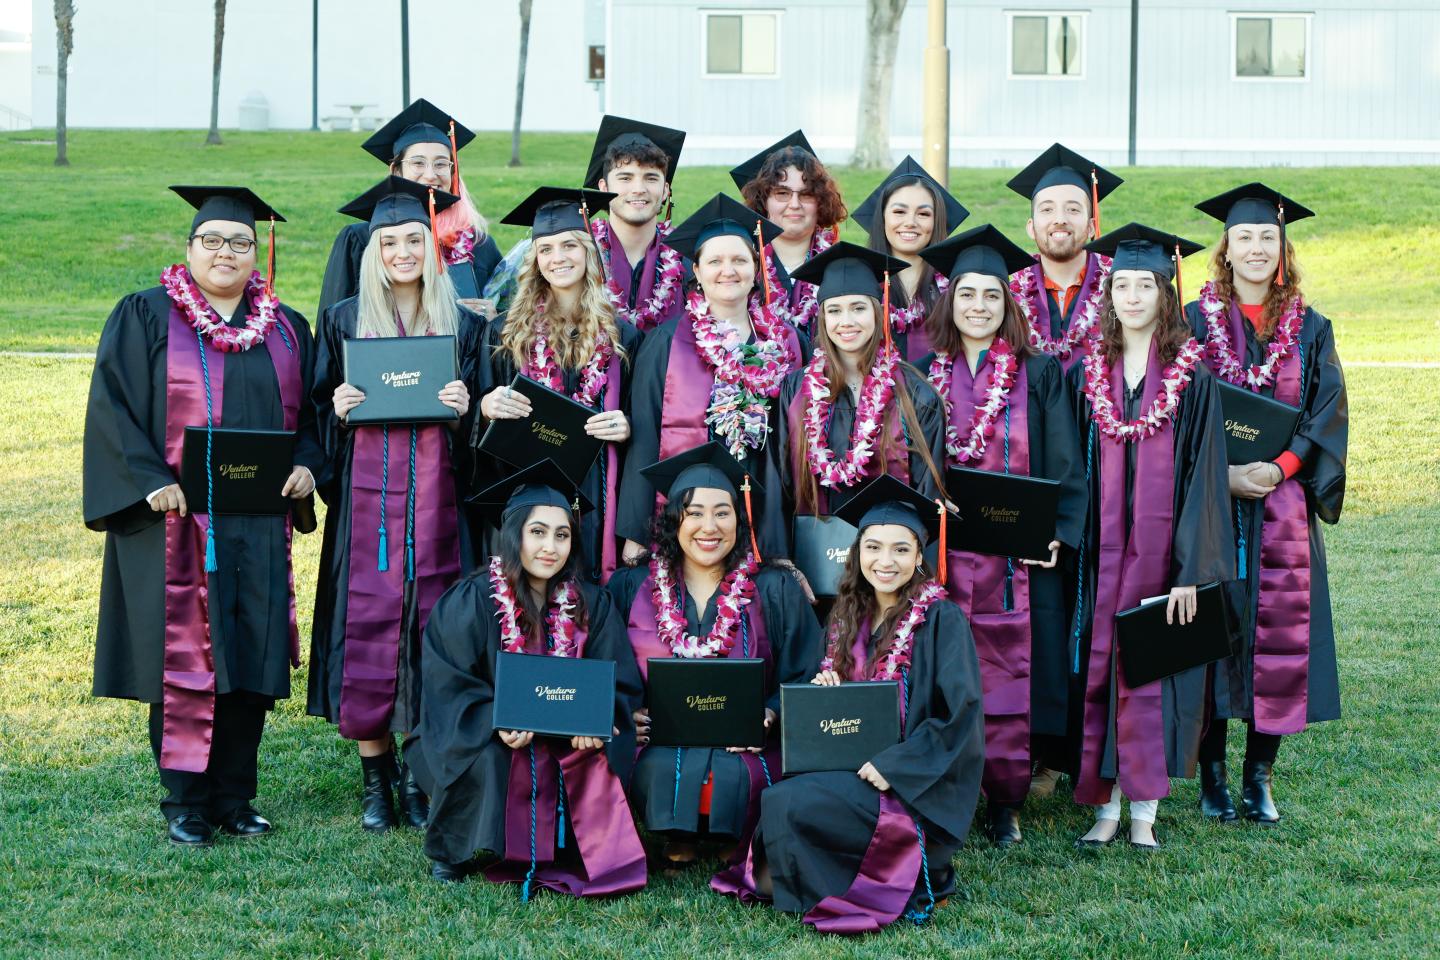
(903, 318)
(542, 366)
(747, 376)
(875, 394)
(669, 270)
(982, 421)
(227, 339)
(463, 249)
(1223, 353)
(559, 619)
(897, 660)
(1084, 323)
(1173, 381)
(809, 306)
(736, 592)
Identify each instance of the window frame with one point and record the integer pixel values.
(1237, 15)
(706, 13)
(1082, 15)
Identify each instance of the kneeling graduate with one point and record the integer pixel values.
(852, 852)
(542, 810)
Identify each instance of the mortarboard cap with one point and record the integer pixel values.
(887, 500)
(720, 215)
(983, 249)
(226, 203)
(848, 269)
(621, 132)
(542, 484)
(1061, 165)
(394, 201)
(552, 210)
(866, 213)
(750, 169)
(421, 122)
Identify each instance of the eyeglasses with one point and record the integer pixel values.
(418, 165)
(213, 241)
(785, 195)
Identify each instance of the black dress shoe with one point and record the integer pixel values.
(414, 805)
(1004, 826)
(377, 808)
(191, 830)
(1215, 801)
(452, 872)
(1255, 793)
(245, 822)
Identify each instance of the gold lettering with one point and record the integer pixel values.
(1000, 514)
(239, 471)
(840, 726)
(1242, 431)
(548, 434)
(706, 704)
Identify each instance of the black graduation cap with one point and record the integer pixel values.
(708, 465)
(226, 203)
(865, 214)
(1256, 203)
(720, 215)
(421, 122)
(552, 210)
(750, 169)
(542, 484)
(847, 269)
(982, 249)
(1060, 164)
(623, 132)
(888, 500)
(1138, 247)
(394, 201)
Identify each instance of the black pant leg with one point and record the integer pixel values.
(234, 755)
(1212, 745)
(185, 792)
(1261, 747)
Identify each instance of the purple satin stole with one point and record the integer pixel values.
(608, 559)
(1131, 568)
(1088, 282)
(897, 459)
(622, 273)
(976, 582)
(188, 706)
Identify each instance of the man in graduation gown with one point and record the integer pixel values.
(643, 275)
(197, 612)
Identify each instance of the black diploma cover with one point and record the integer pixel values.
(401, 378)
(555, 696)
(822, 545)
(1257, 427)
(554, 429)
(836, 728)
(249, 468)
(706, 703)
(1151, 649)
(1004, 515)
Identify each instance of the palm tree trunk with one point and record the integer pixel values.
(872, 126)
(64, 43)
(525, 6)
(214, 136)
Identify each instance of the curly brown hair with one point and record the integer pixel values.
(831, 210)
(1171, 332)
(1276, 297)
(945, 338)
(855, 605)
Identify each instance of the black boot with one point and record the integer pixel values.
(377, 810)
(1255, 793)
(1215, 801)
(1004, 825)
(414, 805)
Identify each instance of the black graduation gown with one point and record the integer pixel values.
(815, 828)
(1321, 441)
(457, 757)
(327, 635)
(637, 494)
(1202, 549)
(342, 271)
(796, 645)
(496, 369)
(124, 461)
(929, 410)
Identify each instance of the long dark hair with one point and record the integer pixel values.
(665, 533)
(925, 289)
(1171, 330)
(532, 614)
(946, 338)
(855, 605)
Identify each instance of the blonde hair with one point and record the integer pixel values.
(438, 313)
(593, 313)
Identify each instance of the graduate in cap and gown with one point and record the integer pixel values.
(563, 332)
(713, 373)
(197, 611)
(853, 851)
(788, 185)
(644, 276)
(423, 143)
(703, 594)
(394, 534)
(1261, 335)
(534, 810)
(857, 409)
(1154, 439)
(908, 212)
(1007, 411)
(1060, 293)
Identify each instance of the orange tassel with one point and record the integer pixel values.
(764, 273)
(454, 161)
(1179, 286)
(750, 518)
(434, 234)
(1095, 202)
(941, 562)
(270, 260)
(1280, 273)
(885, 313)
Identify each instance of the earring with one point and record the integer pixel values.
(1115, 317)
(1227, 264)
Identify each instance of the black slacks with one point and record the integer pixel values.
(229, 783)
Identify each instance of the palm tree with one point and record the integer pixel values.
(214, 136)
(872, 126)
(525, 6)
(64, 43)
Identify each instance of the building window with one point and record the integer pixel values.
(1047, 44)
(1271, 46)
(741, 43)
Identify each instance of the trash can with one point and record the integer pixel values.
(254, 112)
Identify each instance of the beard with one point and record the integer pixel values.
(1060, 249)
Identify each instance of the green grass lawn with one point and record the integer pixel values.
(77, 239)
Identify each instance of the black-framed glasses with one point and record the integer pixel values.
(213, 241)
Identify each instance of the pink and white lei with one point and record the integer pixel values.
(982, 421)
(227, 339)
(736, 592)
(542, 367)
(808, 306)
(1173, 381)
(1084, 322)
(897, 660)
(875, 394)
(463, 249)
(559, 619)
(747, 376)
(1223, 353)
(903, 318)
(669, 271)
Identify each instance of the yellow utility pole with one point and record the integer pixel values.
(936, 103)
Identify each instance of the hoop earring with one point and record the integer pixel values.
(1227, 264)
(1115, 317)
